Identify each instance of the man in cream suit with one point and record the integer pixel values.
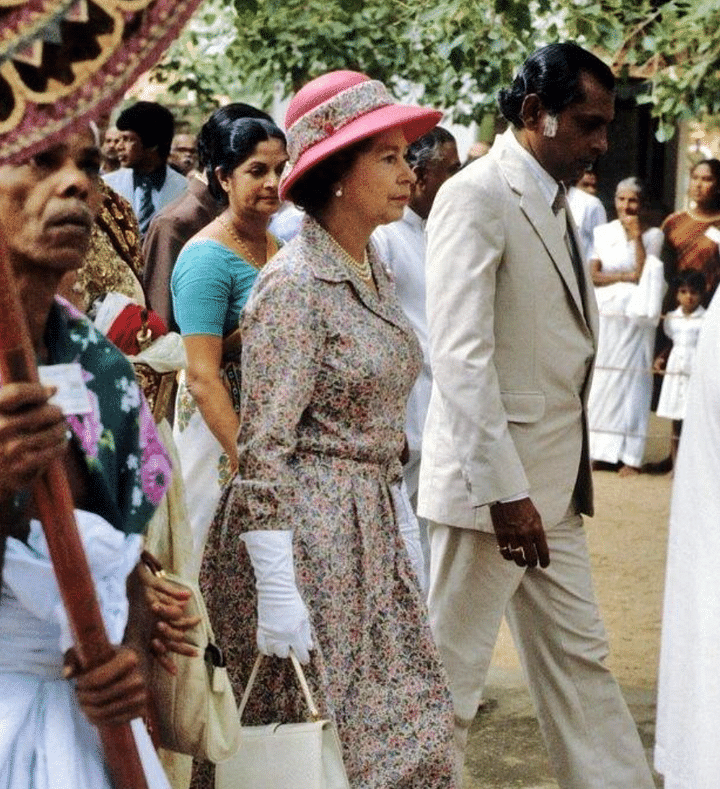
(505, 474)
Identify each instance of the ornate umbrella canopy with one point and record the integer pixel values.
(65, 62)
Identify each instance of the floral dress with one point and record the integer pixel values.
(327, 367)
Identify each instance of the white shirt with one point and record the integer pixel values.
(122, 182)
(548, 185)
(401, 247)
(588, 213)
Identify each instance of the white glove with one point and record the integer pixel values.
(283, 620)
(410, 532)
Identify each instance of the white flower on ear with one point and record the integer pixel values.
(550, 126)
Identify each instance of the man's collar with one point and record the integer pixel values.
(548, 185)
(413, 218)
(156, 178)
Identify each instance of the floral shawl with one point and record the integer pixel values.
(128, 465)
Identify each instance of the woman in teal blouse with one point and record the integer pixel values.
(210, 285)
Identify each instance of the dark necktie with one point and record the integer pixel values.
(146, 210)
(147, 182)
(560, 209)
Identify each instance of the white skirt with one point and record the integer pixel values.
(46, 742)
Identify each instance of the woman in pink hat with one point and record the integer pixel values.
(328, 362)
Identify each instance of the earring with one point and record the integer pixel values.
(338, 192)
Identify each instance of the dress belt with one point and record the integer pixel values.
(388, 470)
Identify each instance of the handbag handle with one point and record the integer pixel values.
(314, 712)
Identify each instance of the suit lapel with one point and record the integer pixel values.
(538, 212)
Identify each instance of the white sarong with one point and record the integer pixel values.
(46, 742)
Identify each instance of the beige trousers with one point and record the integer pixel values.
(553, 616)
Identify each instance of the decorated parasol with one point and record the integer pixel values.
(64, 63)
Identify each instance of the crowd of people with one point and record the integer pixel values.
(398, 375)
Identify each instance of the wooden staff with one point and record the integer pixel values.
(55, 506)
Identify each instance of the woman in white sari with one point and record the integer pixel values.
(688, 706)
(629, 286)
(210, 284)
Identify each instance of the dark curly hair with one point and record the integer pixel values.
(313, 190)
(153, 124)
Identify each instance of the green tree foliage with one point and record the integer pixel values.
(452, 53)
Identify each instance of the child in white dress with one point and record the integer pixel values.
(682, 327)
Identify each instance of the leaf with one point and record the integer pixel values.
(351, 5)
(247, 6)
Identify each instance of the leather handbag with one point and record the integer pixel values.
(285, 755)
(195, 709)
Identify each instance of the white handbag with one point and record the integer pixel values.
(196, 712)
(285, 755)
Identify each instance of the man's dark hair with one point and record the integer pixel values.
(153, 124)
(553, 73)
(427, 147)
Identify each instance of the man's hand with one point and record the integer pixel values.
(32, 433)
(167, 602)
(112, 693)
(520, 534)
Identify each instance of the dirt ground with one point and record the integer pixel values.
(627, 538)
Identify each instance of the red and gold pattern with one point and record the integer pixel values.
(65, 62)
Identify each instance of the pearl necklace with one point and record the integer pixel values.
(362, 270)
(231, 230)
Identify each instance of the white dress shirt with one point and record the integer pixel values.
(588, 213)
(401, 247)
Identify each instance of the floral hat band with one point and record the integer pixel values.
(337, 110)
(330, 116)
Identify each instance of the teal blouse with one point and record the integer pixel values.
(210, 285)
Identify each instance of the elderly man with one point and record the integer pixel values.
(102, 431)
(401, 245)
(145, 179)
(183, 154)
(505, 474)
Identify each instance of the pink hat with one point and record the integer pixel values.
(339, 109)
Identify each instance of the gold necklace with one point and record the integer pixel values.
(231, 230)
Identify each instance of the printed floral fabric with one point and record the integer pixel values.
(339, 110)
(327, 365)
(128, 465)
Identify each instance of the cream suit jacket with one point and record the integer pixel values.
(511, 349)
